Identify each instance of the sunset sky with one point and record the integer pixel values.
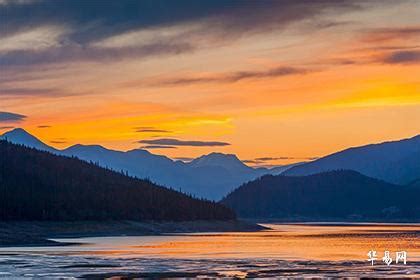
(273, 82)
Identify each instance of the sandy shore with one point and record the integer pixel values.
(37, 233)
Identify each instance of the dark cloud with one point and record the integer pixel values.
(184, 159)
(176, 142)
(27, 91)
(58, 142)
(6, 127)
(85, 23)
(8, 92)
(250, 161)
(338, 61)
(97, 19)
(271, 158)
(152, 130)
(43, 126)
(158, 147)
(383, 35)
(394, 48)
(266, 159)
(402, 57)
(11, 117)
(398, 45)
(232, 77)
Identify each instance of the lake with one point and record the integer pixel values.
(285, 250)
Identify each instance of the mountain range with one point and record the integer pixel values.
(396, 162)
(210, 176)
(335, 195)
(215, 175)
(37, 185)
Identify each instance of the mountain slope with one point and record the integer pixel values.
(229, 162)
(396, 162)
(193, 178)
(330, 195)
(35, 185)
(20, 136)
(196, 177)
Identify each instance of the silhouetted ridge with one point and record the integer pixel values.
(22, 137)
(340, 194)
(396, 162)
(37, 185)
(196, 177)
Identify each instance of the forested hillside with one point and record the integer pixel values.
(37, 185)
(396, 162)
(342, 195)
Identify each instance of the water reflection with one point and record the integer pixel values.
(284, 250)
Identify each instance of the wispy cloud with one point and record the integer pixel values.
(58, 142)
(158, 147)
(43, 126)
(75, 30)
(384, 35)
(184, 159)
(271, 158)
(11, 117)
(282, 158)
(35, 39)
(45, 92)
(151, 129)
(402, 57)
(398, 45)
(231, 77)
(6, 127)
(79, 53)
(263, 160)
(177, 142)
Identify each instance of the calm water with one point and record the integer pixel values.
(285, 250)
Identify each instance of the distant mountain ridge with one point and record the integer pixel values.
(214, 175)
(21, 136)
(211, 176)
(340, 195)
(37, 185)
(396, 162)
(228, 161)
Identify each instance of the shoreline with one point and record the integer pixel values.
(39, 233)
(328, 221)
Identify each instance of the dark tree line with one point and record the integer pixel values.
(341, 194)
(36, 185)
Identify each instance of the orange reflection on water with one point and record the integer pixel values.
(290, 242)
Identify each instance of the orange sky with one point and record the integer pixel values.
(292, 92)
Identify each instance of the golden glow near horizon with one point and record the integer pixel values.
(294, 93)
